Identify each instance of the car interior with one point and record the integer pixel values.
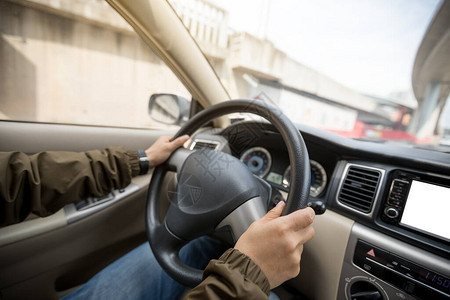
(382, 228)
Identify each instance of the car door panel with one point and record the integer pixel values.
(68, 256)
(46, 257)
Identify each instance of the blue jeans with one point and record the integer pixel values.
(137, 275)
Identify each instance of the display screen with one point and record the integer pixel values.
(427, 209)
(275, 178)
(435, 280)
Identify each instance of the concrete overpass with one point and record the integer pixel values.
(431, 74)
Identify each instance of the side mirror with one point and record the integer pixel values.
(169, 109)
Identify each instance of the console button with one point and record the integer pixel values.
(400, 183)
(370, 258)
(391, 212)
(370, 266)
(409, 287)
(394, 202)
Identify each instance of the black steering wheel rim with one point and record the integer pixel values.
(166, 245)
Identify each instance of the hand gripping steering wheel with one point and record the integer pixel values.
(216, 189)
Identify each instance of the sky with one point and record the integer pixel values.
(367, 45)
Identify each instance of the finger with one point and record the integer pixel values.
(311, 232)
(301, 219)
(178, 142)
(275, 212)
(305, 235)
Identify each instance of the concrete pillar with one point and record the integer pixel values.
(428, 115)
(444, 120)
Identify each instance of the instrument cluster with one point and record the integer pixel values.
(259, 161)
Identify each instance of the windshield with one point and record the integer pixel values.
(356, 68)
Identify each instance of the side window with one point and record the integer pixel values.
(77, 62)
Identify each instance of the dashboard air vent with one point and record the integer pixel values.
(201, 145)
(359, 188)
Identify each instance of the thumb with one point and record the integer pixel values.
(275, 212)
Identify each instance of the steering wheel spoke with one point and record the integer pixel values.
(243, 216)
(177, 159)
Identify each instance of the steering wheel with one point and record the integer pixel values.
(216, 189)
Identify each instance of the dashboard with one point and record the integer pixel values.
(398, 197)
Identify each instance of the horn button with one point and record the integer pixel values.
(210, 186)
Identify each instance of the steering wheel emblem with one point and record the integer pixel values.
(191, 189)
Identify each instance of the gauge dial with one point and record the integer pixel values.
(318, 178)
(258, 160)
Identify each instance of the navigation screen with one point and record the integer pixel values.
(428, 209)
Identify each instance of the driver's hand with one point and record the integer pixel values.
(160, 151)
(275, 242)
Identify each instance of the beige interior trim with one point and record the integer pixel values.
(31, 137)
(142, 181)
(17, 232)
(323, 257)
(158, 24)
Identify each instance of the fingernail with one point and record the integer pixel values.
(280, 203)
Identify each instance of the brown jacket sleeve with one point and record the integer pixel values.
(233, 276)
(44, 182)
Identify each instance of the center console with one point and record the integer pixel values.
(381, 267)
(410, 257)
